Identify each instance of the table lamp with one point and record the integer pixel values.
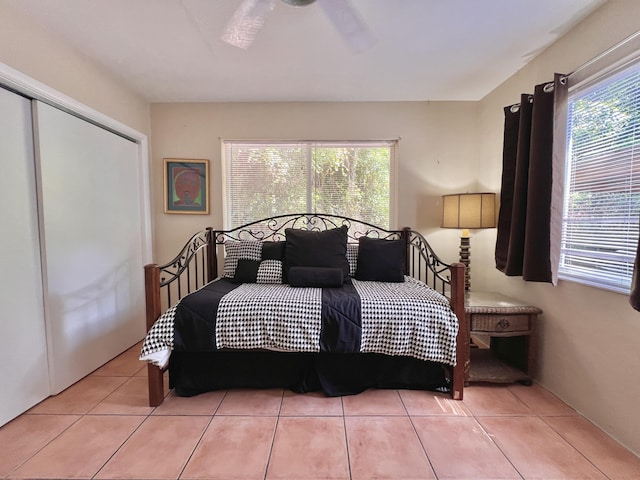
(467, 211)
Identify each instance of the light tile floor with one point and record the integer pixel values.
(102, 428)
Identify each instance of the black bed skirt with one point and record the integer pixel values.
(335, 374)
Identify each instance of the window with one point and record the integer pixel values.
(353, 179)
(602, 182)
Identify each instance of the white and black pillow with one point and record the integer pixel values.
(269, 271)
(236, 250)
(254, 261)
(352, 257)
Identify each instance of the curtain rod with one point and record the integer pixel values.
(608, 51)
(549, 86)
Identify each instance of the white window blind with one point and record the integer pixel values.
(602, 183)
(353, 179)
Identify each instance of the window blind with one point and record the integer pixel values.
(353, 179)
(602, 192)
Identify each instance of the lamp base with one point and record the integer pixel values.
(465, 259)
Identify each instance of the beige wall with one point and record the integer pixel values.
(589, 353)
(27, 47)
(436, 142)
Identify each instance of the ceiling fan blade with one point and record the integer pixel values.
(246, 22)
(349, 24)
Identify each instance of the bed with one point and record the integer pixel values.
(306, 302)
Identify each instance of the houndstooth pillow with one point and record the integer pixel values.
(352, 257)
(270, 271)
(235, 250)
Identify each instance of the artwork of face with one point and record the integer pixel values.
(187, 187)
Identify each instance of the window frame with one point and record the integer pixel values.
(393, 145)
(582, 86)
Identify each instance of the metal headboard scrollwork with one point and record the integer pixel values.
(188, 271)
(274, 228)
(424, 264)
(202, 256)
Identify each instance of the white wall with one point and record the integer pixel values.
(588, 340)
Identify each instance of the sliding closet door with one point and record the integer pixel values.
(93, 240)
(23, 352)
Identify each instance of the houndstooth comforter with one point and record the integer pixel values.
(408, 319)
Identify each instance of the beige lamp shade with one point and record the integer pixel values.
(464, 211)
(469, 210)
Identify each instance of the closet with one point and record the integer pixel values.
(72, 249)
(23, 348)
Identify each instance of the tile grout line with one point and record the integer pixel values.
(346, 437)
(204, 431)
(123, 442)
(492, 438)
(195, 447)
(273, 439)
(80, 416)
(424, 449)
(134, 430)
(542, 418)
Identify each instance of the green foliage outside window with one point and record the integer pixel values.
(264, 180)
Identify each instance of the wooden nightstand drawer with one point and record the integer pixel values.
(500, 323)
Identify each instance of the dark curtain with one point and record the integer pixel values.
(523, 245)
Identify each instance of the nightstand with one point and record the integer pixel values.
(502, 332)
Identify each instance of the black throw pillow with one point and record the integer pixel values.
(315, 277)
(380, 260)
(246, 271)
(308, 248)
(273, 250)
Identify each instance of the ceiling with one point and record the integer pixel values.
(171, 50)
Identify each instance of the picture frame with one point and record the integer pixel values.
(186, 186)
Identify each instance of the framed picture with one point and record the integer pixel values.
(186, 186)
